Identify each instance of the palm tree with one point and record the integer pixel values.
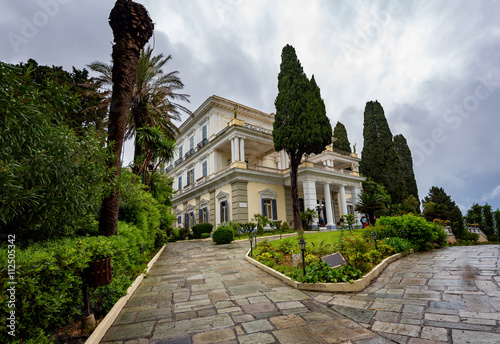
(262, 221)
(369, 203)
(154, 101)
(308, 215)
(132, 27)
(157, 148)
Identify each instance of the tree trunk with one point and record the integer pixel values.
(139, 112)
(132, 28)
(294, 168)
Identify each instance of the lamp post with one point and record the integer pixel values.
(374, 236)
(250, 238)
(319, 209)
(302, 246)
(403, 233)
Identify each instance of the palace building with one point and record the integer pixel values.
(225, 169)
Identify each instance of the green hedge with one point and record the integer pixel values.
(49, 279)
(224, 234)
(201, 228)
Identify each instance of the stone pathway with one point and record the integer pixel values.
(200, 293)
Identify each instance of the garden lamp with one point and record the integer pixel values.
(374, 236)
(302, 246)
(250, 238)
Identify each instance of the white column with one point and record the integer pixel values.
(242, 149)
(343, 203)
(330, 221)
(282, 160)
(354, 196)
(310, 200)
(232, 149)
(236, 148)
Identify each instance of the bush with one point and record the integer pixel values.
(418, 230)
(205, 235)
(224, 234)
(183, 234)
(201, 228)
(49, 278)
(399, 244)
(247, 228)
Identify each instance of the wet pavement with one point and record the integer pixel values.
(200, 293)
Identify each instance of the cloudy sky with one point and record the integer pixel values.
(433, 65)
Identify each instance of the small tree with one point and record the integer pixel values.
(300, 124)
(341, 141)
(308, 216)
(350, 220)
(262, 221)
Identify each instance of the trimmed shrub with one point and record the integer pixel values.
(183, 234)
(399, 244)
(417, 229)
(49, 278)
(224, 234)
(201, 228)
(205, 235)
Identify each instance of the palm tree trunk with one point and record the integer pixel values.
(132, 27)
(139, 113)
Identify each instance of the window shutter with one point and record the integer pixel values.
(221, 209)
(208, 217)
(201, 216)
(275, 210)
(186, 220)
(227, 211)
(262, 207)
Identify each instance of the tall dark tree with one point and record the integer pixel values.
(489, 225)
(444, 208)
(300, 124)
(496, 219)
(380, 161)
(132, 27)
(341, 141)
(408, 176)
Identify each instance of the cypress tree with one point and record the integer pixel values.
(380, 161)
(300, 124)
(408, 176)
(341, 142)
(448, 207)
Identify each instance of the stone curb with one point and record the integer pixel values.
(349, 287)
(109, 319)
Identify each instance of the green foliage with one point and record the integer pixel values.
(350, 220)
(262, 221)
(49, 278)
(342, 141)
(354, 250)
(247, 228)
(443, 208)
(308, 216)
(399, 244)
(408, 175)
(205, 235)
(381, 161)
(200, 228)
(418, 230)
(183, 234)
(224, 234)
(321, 272)
(52, 180)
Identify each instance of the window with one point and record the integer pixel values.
(269, 208)
(179, 221)
(191, 220)
(180, 151)
(224, 211)
(191, 142)
(204, 168)
(190, 177)
(179, 185)
(204, 133)
(203, 215)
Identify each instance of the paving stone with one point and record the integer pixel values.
(374, 340)
(434, 333)
(185, 315)
(339, 330)
(424, 341)
(261, 307)
(386, 306)
(460, 337)
(445, 304)
(256, 338)
(153, 314)
(286, 321)
(441, 317)
(288, 295)
(313, 317)
(413, 309)
(325, 298)
(257, 326)
(356, 314)
(184, 340)
(402, 329)
(247, 289)
(129, 331)
(386, 316)
(348, 302)
(184, 327)
(217, 336)
(442, 311)
(413, 281)
(289, 305)
(125, 318)
(206, 312)
(258, 299)
(295, 335)
(459, 326)
(242, 318)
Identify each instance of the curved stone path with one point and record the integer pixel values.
(200, 293)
